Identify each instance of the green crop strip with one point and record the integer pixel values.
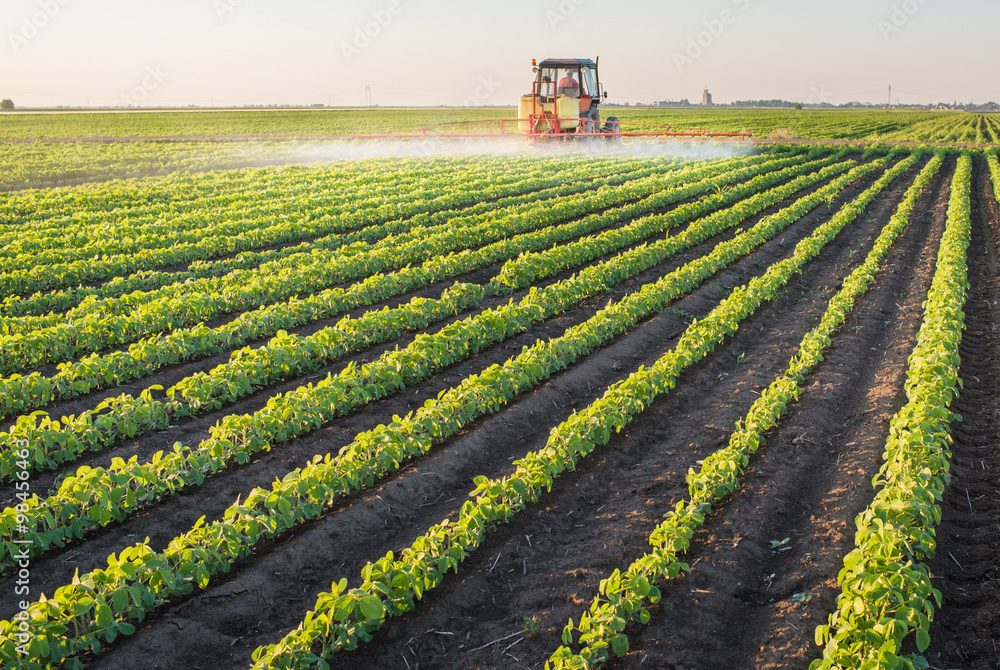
(138, 580)
(995, 175)
(96, 496)
(245, 229)
(886, 590)
(121, 293)
(320, 269)
(624, 597)
(344, 618)
(20, 393)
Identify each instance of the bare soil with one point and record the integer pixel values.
(752, 599)
(966, 632)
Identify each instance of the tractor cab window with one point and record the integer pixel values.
(569, 83)
(572, 82)
(589, 83)
(547, 82)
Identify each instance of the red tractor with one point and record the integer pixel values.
(564, 103)
(565, 100)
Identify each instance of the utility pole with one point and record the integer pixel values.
(890, 95)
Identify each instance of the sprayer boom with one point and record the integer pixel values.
(563, 104)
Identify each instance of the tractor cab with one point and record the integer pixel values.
(564, 98)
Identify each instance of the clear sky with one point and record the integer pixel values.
(452, 52)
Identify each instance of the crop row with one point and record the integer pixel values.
(886, 589)
(531, 267)
(88, 234)
(177, 194)
(964, 128)
(292, 222)
(43, 302)
(343, 618)
(100, 605)
(244, 290)
(624, 596)
(184, 205)
(96, 496)
(111, 236)
(286, 356)
(21, 393)
(277, 229)
(250, 370)
(123, 294)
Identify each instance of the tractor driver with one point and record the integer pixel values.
(569, 86)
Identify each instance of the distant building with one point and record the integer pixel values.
(706, 98)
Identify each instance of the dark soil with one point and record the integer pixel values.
(190, 430)
(177, 513)
(966, 632)
(745, 604)
(441, 482)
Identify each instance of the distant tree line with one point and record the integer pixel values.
(968, 107)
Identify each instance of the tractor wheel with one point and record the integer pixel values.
(612, 127)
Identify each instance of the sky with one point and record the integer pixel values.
(471, 53)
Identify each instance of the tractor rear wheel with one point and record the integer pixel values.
(612, 128)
